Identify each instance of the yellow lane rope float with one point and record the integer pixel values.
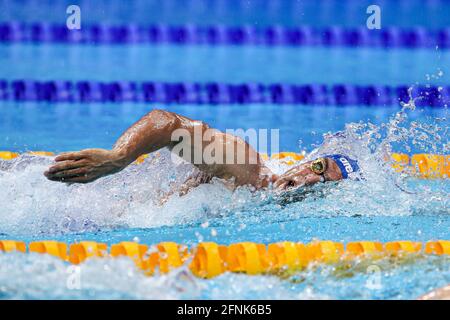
(209, 259)
(420, 165)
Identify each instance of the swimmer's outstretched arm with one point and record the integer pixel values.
(152, 132)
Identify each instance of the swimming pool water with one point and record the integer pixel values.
(228, 64)
(122, 208)
(403, 13)
(66, 127)
(125, 207)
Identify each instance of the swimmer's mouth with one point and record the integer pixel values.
(300, 193)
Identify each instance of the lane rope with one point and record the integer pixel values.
(220, 93)
(387, 37)
(209, 259)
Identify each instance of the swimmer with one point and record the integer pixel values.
(438, 294)
(154, 131)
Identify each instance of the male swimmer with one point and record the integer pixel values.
(154, 131)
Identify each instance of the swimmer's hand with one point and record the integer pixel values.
(84, 166)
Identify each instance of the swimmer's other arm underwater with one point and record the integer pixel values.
(154, 131)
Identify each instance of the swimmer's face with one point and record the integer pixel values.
(303, 175)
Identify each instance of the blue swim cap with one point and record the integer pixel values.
(349, 167)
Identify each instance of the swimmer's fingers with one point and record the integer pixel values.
(84, 166)
(72, 179)
(60, 179)
(62, 174)
(66, 165)
(70, 156)
(81, 179)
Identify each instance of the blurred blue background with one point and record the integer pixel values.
(30, 125)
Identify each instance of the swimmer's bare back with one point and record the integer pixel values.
(155, 131)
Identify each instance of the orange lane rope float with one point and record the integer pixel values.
(209, 259)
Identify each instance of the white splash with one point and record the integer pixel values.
(32, 205)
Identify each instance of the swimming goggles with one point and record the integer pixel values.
(319, 166)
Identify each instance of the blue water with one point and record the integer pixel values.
(125, 207)
(122, 208)
(65, 127)
(225, 64)
(351, 13)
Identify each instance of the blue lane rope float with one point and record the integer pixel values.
(219, 93)
(416, 37)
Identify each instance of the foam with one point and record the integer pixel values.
(119, 279)
(32, 205)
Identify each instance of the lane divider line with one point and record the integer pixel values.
(213, 35)
(209, 259)
(214, 93)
